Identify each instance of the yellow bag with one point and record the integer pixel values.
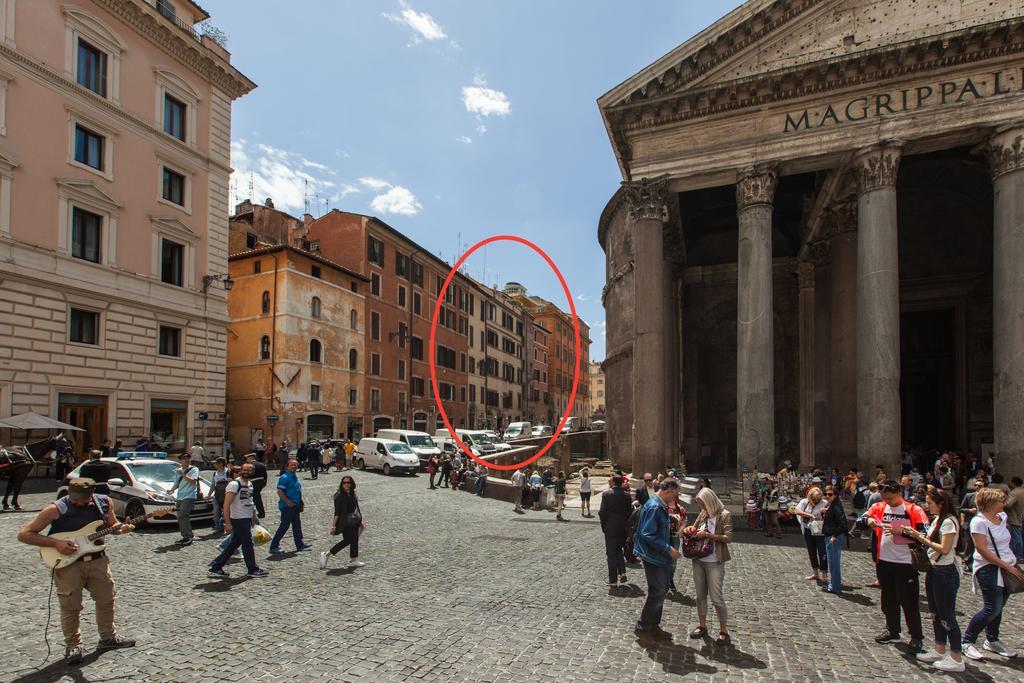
(260, 535)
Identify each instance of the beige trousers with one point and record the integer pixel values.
(71, 581)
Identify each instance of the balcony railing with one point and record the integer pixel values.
(167, 11)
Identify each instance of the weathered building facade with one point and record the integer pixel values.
(816, 251)
(115, 130)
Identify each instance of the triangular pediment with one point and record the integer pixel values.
(764, 36)
(87, 189)
(175, 225)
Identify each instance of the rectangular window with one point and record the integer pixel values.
(417, 273)
(417, 303)
(417, 348)
(170, 341)
(375, 251)
(315, 272)
(250, 240)
(314, 393)
(401, 296)
(353, 397)
(446, 357)
(462, 362)
(84, 327)
(418, 386)
(174, 187)
(472, 393)
(172, 262)
(463, 393)
(174, 117)
(401, 403)
(375, 400)
(257, 266)
(375, 284)
(92, 68)
(402, 265)
(88, 148)
(86, 229)
(375, 364)
(403, 332)
(375, 325)
(401, 369)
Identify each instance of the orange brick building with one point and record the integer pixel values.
(405, 279)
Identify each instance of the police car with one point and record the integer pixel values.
(141, 482)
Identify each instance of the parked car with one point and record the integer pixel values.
(518, 430)
(141, 485)
(597, 424)
(420, 442)
(542, 430)
(478, 441)
(573, 424)
(386, 455)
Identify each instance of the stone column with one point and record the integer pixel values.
(755, 382)
(878, 309)
(1006, 153)
(842, 222)
(648, 210)
(805, 280)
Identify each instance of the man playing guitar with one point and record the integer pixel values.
(92, 572)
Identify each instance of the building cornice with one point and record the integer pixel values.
(157, 30)
(955, 48)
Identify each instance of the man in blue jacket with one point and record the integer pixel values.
(651, 544)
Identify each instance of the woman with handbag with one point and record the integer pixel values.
(995, 573)
(810, 512)
(713, 523)
(770, 506)
(942, 581)
(348, 520)
(834, 529)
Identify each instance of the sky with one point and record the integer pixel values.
(450, 120)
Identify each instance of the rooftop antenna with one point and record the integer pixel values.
(305, 195)
(251, 194)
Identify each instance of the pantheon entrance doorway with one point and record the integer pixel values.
(928, 383)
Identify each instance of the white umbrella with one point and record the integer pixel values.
(30, 420)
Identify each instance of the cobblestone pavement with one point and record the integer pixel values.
(456, 588)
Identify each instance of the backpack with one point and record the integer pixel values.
(859, 499)
(220, 489)
(634, 517)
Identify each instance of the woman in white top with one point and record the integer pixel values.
(585, 492)
(991, 555)
(942, 582)
(812, 509)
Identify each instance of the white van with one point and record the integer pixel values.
(420, 442)
(387, 455)
(519, 430)
(477, 441)
(573, 424)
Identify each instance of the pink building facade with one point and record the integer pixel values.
(115, 128)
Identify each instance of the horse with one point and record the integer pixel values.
(16, 462)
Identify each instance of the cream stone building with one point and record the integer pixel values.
(816, 251)
(115, 127)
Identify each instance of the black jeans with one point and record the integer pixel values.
(241, 536)
(900, 590)
(613, 548)
(350, 538)
(816, 551)
(445, 474)
(657, 587)
(941, 585)
(257, 500)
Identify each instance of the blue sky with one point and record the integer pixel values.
(451, 120)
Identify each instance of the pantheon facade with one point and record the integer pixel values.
(817, 251)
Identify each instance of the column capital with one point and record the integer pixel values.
(877, 166)
(647, 199)
(805, 275)
(821, 252)
(1006, 150)
(841, 218)
(756, 185)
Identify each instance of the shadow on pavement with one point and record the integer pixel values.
(856, 598)
(675, 658)
(341, 571)
(728, 654)
(625, 591)
(58, 670)
(680, 599)
(221, 585)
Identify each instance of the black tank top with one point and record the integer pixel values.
(74, 517)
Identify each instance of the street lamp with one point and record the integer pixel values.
(210, 279)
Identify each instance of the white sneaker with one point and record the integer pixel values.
(929, 656)
(323, 559)
(999, 649)
(971, 651)
(947, 663)
(356, 563)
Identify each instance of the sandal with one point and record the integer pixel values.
(723, 639)
(699, 632)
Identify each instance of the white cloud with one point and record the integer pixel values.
(374, 183)
(582, 297)
(424, 26)
(484, 101)
(312, 164)
(464, 139)
(397, 200)
(278, 174)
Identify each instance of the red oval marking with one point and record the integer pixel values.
(433, 350)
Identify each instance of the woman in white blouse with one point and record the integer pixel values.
(808, 510)
(992, 556)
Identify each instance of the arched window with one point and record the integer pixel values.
(355, 319)
(353, 359)
(315, 351)
(265, 348)
(266, 303)
(314, 307)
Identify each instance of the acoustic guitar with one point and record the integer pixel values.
(89, 539)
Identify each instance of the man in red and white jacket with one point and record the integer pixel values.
(897, 575)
